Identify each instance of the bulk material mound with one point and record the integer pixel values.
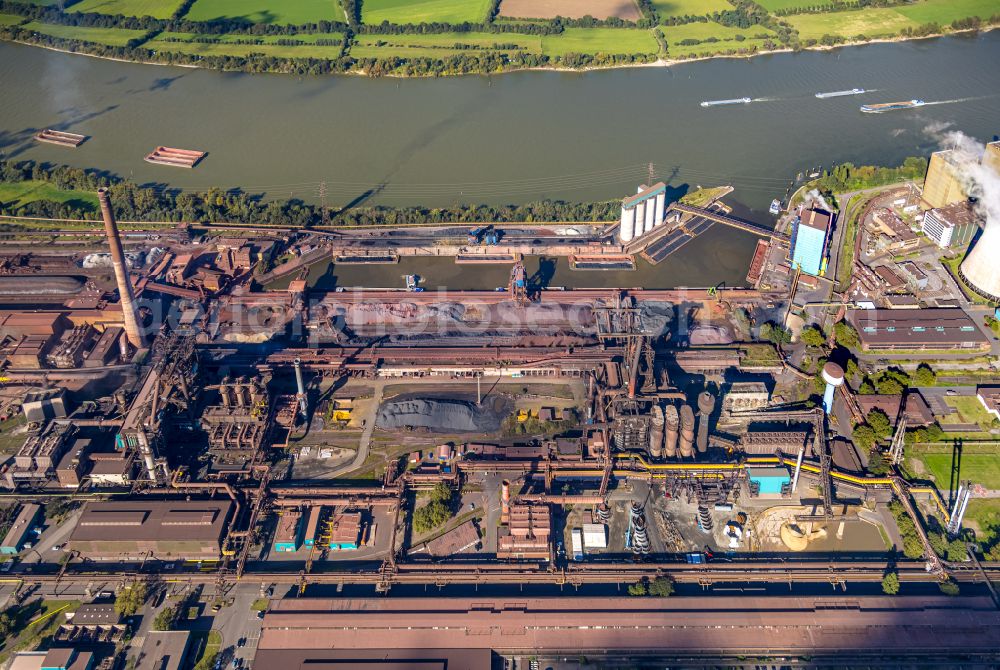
(438, 415)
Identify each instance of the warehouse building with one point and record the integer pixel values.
(345, 530)
(809, 241)
(463, 633)
(160, 529)
(287, 535)
(19, 532)
(911, 329)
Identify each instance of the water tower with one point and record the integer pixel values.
(833, 375)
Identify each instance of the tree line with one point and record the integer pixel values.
(849, 177)
(215, 205)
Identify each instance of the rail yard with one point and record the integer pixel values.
(191, 408)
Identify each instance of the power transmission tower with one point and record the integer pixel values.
(650, 174)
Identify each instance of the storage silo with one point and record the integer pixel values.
(672, 420)
(706, 405)
(656, 433)
(650, 214)
(687, 432)
(627, 229)
(640, 218)
(661, 200)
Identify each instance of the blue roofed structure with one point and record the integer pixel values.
(809, 241)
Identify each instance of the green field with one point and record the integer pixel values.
(968, 409)
(985, 513)
(424, 11)
(728, 39)
(230, 45)
(10, 19)
(439, 45)
(776, 5)
(158, 9)
(599, 40)
(980, 463)
(18, 194)
(689, 7)
(889, 21)
(115, 37)
(292, 12)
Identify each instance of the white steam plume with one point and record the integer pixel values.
(814, 199)
(980, 181)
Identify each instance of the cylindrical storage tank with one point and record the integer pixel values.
(627, 229)
(505, 494)
(640, 218)
(656, 433)
(650, 214)
(706, 405)
(661, 200)
(672, 421)
(687, 432)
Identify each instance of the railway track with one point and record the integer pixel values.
(757, 572)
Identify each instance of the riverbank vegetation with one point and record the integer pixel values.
(29, 189)
(441, 37)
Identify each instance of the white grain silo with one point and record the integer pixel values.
(627, 229)
(650, 214)
(640, 218)
(661, 199)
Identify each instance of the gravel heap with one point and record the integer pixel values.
(438, 415)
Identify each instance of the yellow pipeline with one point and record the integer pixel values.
(717, 468)
(937, 499)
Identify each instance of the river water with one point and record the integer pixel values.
(510, 138)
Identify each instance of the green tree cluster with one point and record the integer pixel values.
(436, 512)
(925, 375)
(849, 177)
(846, 335)
(660, 587)
(890, 584)
(932, 433)
(136, 203)
(166, 619)
(130, 599)
(775, 333)
(913, 548)
(812, 336)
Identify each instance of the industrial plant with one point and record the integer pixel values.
(197, 406)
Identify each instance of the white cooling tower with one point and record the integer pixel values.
(980, 269)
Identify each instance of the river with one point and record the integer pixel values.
(509, 138)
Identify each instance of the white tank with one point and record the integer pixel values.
(640, 218)
(661, 199)
(650, 215)
(627, 230)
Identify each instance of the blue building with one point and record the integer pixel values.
(809, 241)
(769, 480)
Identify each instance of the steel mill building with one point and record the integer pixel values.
(160, 529)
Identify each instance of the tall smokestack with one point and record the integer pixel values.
(132, 330)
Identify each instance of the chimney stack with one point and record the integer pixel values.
(132, 330)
